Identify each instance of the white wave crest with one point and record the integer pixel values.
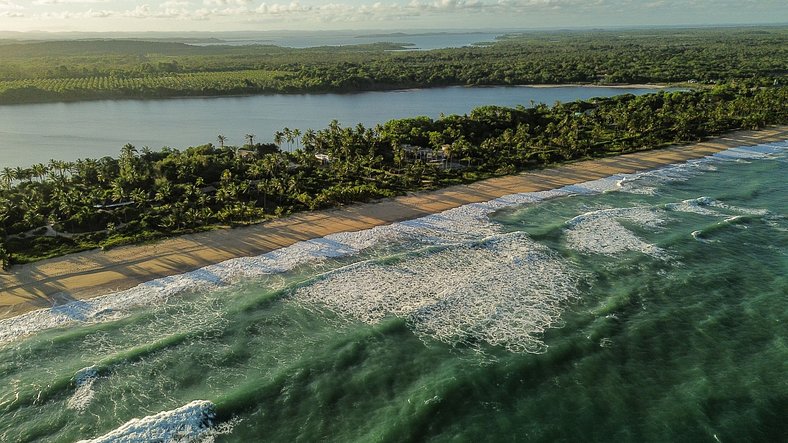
(505, 291)
(698, 235)
(711, 207)
(600, 232)
(700, 205)
(648, 181)
(85, 378)
(185, 424)
(764, 151)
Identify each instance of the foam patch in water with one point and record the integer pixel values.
(600, 232)
(85, 378)
(188, 423)
(647, 182)
(700, 205)
(505, 290)
(711, 207)
(757, 152)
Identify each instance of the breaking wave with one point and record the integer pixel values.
(601, 231)
(189, 423)
(85, 378)
(504, 290)
(647, 182)
(732, 215)
(711, 207)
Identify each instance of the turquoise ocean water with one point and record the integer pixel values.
(639, 308)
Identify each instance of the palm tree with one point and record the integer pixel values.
(288, 137)
(221, 139)
(250, 139)
(309, 140)
(127, 162)
(297, 136)
(7, 175)
(21, 173)
(139, 196)
(39, 170)
(118, 190)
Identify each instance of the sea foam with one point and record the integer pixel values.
(715, 208)
(503, 290)
(601, 231)
(189, 423)
(84, 379)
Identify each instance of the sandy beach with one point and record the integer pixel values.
(92, 273)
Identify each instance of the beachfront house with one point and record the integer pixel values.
(245, 154)
(324, 159)
(420, 153)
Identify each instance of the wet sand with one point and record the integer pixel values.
(92, 273)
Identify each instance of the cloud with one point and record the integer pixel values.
(175, 4)
(141, 11)
(226, 2)
(396, 10)
(413, 8)
(290, 8)
(145, 11)
(67, 15)
(65, 2)
(7, 6)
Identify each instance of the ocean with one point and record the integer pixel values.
(649, 307)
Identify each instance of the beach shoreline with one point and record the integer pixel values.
(94, 273)
(655, 86)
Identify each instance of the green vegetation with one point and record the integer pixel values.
(53, 209)
(80, 70)
(151, 86)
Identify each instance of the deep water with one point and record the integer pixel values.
(656, 311)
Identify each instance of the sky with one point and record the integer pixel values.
(401, 15)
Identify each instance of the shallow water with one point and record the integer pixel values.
(655, 311)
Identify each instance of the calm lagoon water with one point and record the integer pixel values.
(426, 41)
(645, 308)
(66, 131)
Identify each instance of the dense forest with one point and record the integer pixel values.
(61, 207)
(95, 69)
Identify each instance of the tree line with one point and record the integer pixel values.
(80, 70)
(61, 207)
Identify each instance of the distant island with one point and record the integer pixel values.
(415, 34)
(51, 71)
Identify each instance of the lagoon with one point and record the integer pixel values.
(36, 133)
